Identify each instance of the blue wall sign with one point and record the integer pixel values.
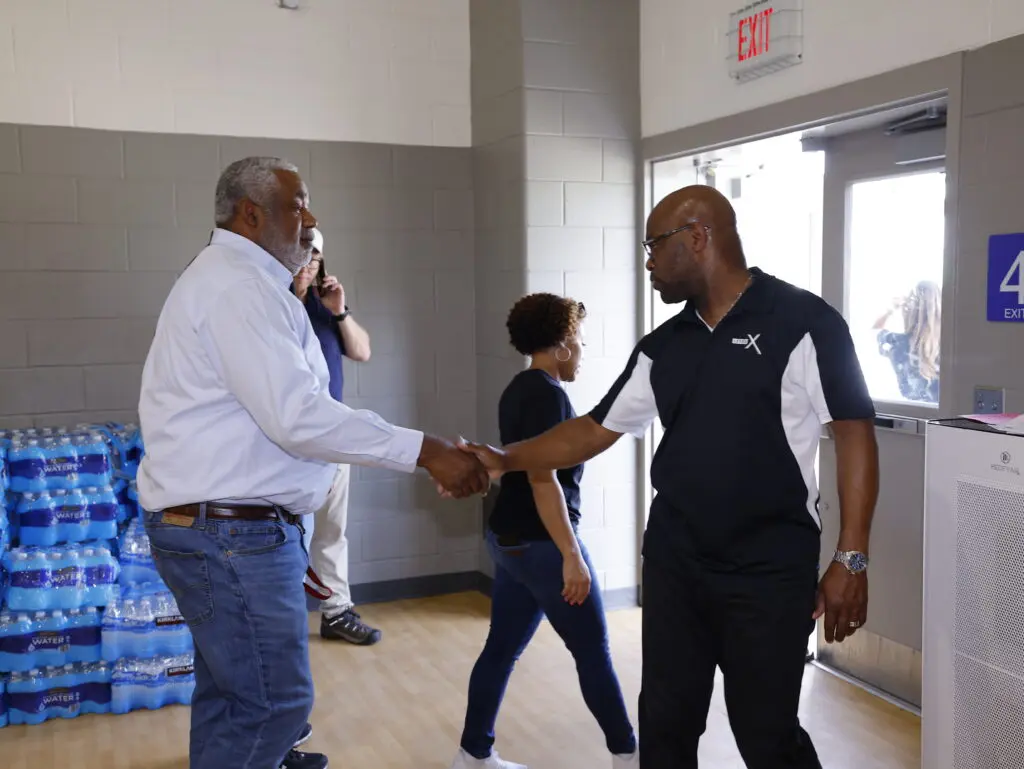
(1006, 278)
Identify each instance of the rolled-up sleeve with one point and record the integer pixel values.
(253, 345)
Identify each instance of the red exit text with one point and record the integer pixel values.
(755, 34)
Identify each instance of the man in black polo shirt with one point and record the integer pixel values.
(742, 379)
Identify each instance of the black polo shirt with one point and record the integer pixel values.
(742, 406)
(532, 403)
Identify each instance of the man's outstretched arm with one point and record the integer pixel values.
(628, 407)
(568, 444)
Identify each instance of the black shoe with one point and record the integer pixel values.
(296, 759)
(348, 626)
(307, 732)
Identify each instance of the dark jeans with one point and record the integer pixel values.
(755, 628)
(238, 584)
(528, 586)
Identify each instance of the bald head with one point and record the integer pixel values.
(696, 204)
(692, 237)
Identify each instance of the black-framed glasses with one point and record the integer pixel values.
(650, 243)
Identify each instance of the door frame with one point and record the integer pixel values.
(914, 84)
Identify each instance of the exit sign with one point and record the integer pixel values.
(765, 37)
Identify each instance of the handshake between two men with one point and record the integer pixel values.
(458, 468)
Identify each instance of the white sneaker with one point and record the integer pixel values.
(465, 761)
(627, 761)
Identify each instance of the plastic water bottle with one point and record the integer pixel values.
(62, 463)
(136, 558)
(84, 635)
(94, 460)
(50, 641)
(15, 642)
(172, 634)
(113, 646)
(102, 506)
(133, 495)
(99, 575)
(26, 465)
(31, 580)
(37, 519)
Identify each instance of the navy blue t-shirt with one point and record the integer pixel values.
(326, 330)
(532, 404)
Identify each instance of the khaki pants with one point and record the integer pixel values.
(328, 549)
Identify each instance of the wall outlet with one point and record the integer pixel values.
(988, 400)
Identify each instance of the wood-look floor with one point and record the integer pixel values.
(399, 705)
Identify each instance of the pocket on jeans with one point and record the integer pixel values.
(188, 577)
(249, 539)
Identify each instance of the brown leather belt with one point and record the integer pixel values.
(232, 512)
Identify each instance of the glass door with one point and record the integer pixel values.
(884, 243)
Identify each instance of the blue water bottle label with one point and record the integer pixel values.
(100, 575)
(69, 576)
(36, 578)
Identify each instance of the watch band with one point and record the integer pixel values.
(854, 560)
(344, 314)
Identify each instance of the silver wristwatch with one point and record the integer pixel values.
(854, 560)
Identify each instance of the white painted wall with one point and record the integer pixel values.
(684, 74)
(393, 71)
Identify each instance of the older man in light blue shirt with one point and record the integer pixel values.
(242, 439)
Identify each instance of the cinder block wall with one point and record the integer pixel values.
(556, 125)
(96, 225)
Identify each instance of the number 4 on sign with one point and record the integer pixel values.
(1015, 288)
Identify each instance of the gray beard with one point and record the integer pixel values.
(292, 255)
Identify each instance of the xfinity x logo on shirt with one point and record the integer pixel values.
(749, 343)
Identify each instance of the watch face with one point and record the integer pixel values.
(857, 562)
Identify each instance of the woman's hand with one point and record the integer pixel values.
(332, 295)
(575, 579)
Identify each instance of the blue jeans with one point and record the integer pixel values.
(528, 586)
(238, 585)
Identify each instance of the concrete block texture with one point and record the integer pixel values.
(95, 227)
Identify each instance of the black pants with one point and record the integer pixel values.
(756, 629)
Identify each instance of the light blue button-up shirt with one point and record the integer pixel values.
(235, 404)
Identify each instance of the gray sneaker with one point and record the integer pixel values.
(348, 626)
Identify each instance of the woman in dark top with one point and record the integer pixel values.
(541, 566)
(914, 351)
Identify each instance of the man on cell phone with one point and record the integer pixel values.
(340, 337)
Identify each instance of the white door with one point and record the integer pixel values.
(884, 253)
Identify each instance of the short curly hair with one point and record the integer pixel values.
(541, 321)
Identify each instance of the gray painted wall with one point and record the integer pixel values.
(990, 191)
(95, 226)
(556, 134)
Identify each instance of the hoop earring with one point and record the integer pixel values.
(568, 355)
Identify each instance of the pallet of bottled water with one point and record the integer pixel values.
(68, 691)
(152, 683)
(144, 622)
(49, 638)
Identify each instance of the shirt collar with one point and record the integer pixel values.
(257, 254)
(757, 299)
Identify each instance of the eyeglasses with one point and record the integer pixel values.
(650, 243)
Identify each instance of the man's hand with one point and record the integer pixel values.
(490, 457)
(332, 295)
(458, 473)
(843, 600)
